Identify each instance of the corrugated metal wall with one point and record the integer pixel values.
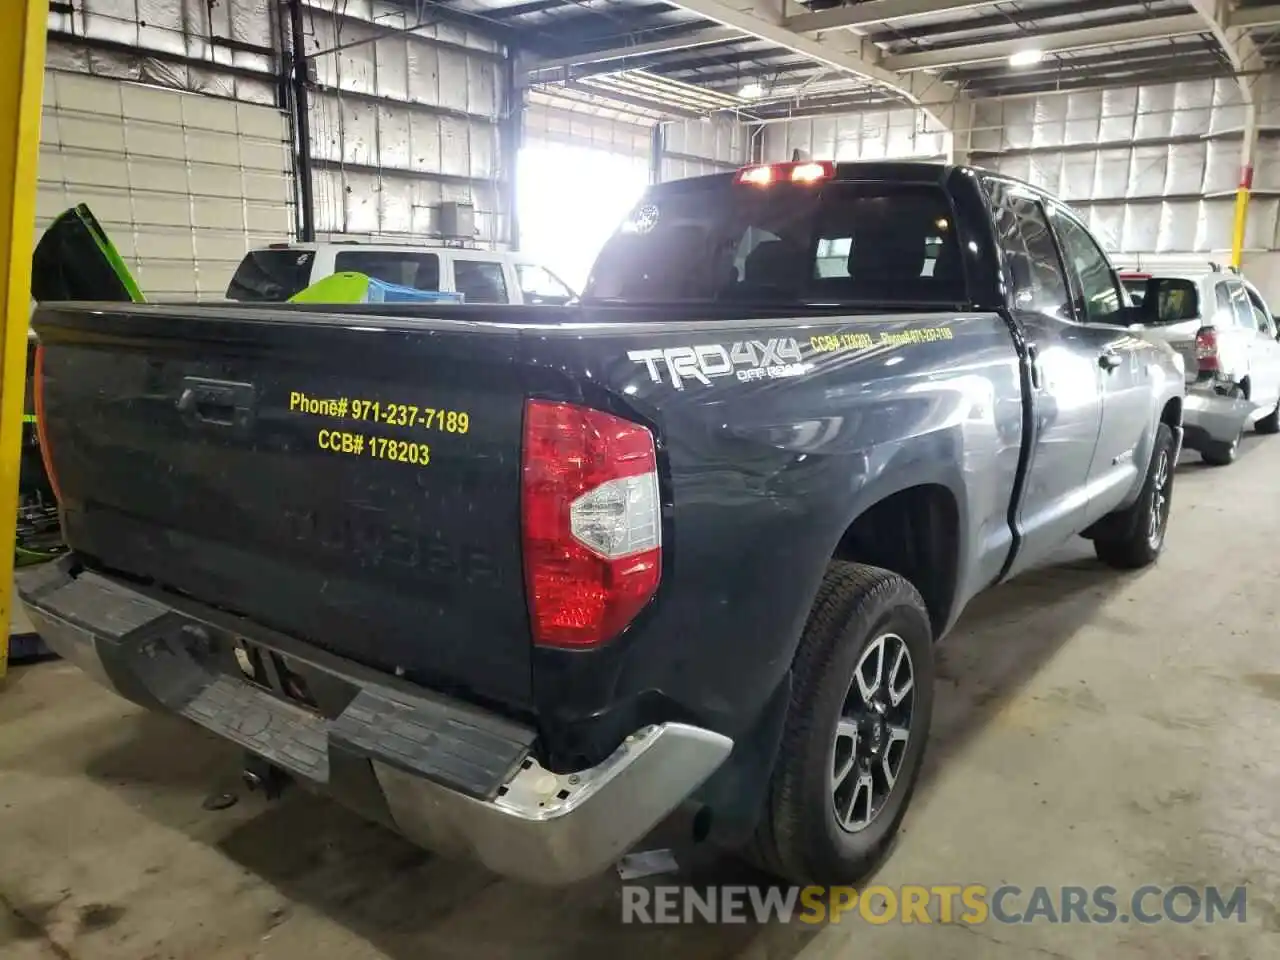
(694, 148)
(159, 114)
(223, 48)
(869, 135)
(552, 120)
(182, 183)
(402, 123)
(1154, 169)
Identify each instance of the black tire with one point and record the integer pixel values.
(1130, 539)
(1221, 454)
(1271, 422)
(800, 838)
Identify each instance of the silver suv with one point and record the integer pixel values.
(1226, 335)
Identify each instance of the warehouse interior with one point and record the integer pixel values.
(1089, 730)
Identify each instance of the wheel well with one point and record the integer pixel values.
(916, 534)
(1172, 412)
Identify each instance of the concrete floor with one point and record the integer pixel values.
(1091, 729)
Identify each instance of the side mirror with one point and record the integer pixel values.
(1131, 316)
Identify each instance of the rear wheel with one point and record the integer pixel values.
(1271, 422)
(1221, 454)
(862, 698)
(1133, 538)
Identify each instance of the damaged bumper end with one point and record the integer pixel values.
(447, 776)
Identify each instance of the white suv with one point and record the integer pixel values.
(1226, 335)
(277, 272)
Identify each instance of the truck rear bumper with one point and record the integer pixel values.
(445, 775)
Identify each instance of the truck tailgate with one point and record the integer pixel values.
(353, 483)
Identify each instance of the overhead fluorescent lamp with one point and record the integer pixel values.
(751, 91)
(1026, 58)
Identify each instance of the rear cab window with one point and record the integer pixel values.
(407, 268)
(271, 276)
(1030, 254)
(1094, 285)
(846, 242)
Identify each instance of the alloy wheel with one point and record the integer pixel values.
(1158, 515)
(872, 733)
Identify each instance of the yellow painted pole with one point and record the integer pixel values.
(1248, 142)
(1242, 216)
(22, 40)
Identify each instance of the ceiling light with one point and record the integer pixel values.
(1026, 58)
(751, 91)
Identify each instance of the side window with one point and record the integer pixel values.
(1225, 314)
(480, 281)
(539, 285)
(1261, 315)
(1097, 281)
(407, 269)
(1240, 305)
(1035, 268)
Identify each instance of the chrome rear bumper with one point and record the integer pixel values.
(444, 774)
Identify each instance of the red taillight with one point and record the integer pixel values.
(592, 524)
(37, 388)
(802, 172)
(760, 176)
(1207, 350)
(811, 171)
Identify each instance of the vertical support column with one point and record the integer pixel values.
(301, 108)
(510, 140)
(657, 149)
(1243, 191)
(959, 136)
(21, 93)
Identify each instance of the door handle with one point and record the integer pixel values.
(216, 403)
(1109, 361)
(1033, 359)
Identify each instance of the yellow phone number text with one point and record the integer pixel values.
(410, 415)
(377, 411)
(834, 342)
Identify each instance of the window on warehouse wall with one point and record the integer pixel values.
(571, 199)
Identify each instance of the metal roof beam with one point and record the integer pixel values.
(841, 50)
(688, 41)
(1158, 28)
(523, 9)
(1002, 19)
(1047, 70)
(873, 12)
(1268, 16)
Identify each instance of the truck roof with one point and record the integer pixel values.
(902, 171)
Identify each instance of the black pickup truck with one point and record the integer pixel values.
(523, 582)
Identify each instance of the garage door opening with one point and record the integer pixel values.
(570, 200)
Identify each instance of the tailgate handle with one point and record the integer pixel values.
(217, 403)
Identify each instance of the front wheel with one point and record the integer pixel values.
(1135, 537)
(862, 699)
